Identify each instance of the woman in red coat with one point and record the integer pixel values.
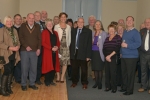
(50, 60)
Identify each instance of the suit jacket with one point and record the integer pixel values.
(85, 44)
(143, 33)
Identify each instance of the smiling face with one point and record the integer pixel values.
(9, 23)
(30, 19)
(37, 16)
(147, 23)
(98, 25)
(18, 20)
(63, 18)
(111, 31)
(80, 23)
(130, 22)
(49, 25)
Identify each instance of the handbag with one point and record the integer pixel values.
(2, 60)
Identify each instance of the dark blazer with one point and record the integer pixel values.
(143, 33)
(85, 44)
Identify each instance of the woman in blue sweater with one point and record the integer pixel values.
(129, 53)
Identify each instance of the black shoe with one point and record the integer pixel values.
(113, 91)
(127, 93)
(9, 82)
(3, 86)
(24, 88)
(39, 83)
(122, 90)
(33, 87)
(18, 82)
(54, 84)
(107, 89)
(70, 79)
(95, 86)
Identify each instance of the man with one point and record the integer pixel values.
(91, 22)
(129, 51)
(30, 38)
(121, 21)
(44, 16)
(17, 70)
(56, 20)
(80, 52)
(37, 16)
(145, 56)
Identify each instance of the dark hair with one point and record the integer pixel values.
(114, 23)
(63, 13)
(102, 28)
(75, 22)
(17, 15)
(131, 17)
(112, 26)
(69, 20)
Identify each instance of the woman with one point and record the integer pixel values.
(97, 61)
(70, 22)
(9, 46)
(75, 24)
(50, 60)
(120, 30)
(111, 47)
(64, 33)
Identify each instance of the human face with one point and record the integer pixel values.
(56, 20)
(70, 24)
(75, 25)
(121, 21)
(91, 21)
(63, 18)
(129, 22)
(30, 19)
(37, 17)
(120, 30)
(49, 25)
(18, 20)
(98, 25)
(111, 31)
(9, 23)
(147, 23)
(44, 15)
(80, 23)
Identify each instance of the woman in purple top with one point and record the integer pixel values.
(111, 48)
(97, 61)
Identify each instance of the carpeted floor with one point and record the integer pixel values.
(78, 93)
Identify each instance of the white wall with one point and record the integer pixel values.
(8, 7)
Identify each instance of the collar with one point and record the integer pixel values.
(17, 26)
(130, 29)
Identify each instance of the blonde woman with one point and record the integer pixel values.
(64, 33)
(9, 46)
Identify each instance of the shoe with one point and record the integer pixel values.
(139, 81)
(95, 86)
(39, 83)
(107, 89)
(57, 81)
(113, 91)
(100, 86)
(84, 86)
(122, 90)
(54, 84)
(73, 85)
(33, 87)
(127, 93)
(142, 90)
(8, 87)
(70, 79)
(18, 82)
(61, 81)
(24, 88)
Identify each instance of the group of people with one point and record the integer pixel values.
(41, 45)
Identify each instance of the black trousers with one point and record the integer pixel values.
(128, 66)
(49, 77)
(76, 63)
(110, 74)
(39, 67)
(119, 75)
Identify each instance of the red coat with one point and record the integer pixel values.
(47, 63)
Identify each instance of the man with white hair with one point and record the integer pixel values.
(44, 16)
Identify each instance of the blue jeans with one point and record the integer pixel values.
(28, 67)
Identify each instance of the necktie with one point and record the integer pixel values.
(147, 41)
(77, 44)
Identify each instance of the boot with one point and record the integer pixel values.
(8, 87)
(3, 86)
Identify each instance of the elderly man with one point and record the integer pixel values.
(80, 52)
(17, 70)
(121, 21)
(145, 56)
(56, 20)
(30, 38)
(44, 16)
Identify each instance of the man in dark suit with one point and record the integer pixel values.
(80, 52)
(145, 56)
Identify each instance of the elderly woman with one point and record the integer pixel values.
(9, 46)
(50, 59)
(98, 59)
(111, 48)
(64, 33)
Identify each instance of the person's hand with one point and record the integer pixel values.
(55, 48)
(38, 52)
(88, 59)
(28, 48)
(18, 47)
(13, 48)
(108, 58)
(124, 45)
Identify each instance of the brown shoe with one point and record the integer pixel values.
(84, 86)
(141, 90)
(73, 85)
